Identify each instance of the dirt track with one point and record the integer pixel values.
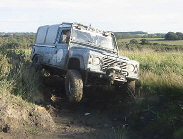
(100, 111)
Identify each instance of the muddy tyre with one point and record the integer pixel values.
(127, 88)
(36, 63)
(74, 86)
(130, 88)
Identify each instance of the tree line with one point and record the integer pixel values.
(174, 36)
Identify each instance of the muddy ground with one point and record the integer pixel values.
(103, 113)
(101, 110)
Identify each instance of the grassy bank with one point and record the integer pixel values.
(20, 91)
(17, 77)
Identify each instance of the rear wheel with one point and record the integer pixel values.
(36, 63)
(74, 86)
(130, 88)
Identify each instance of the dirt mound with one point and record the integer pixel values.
(18, 116)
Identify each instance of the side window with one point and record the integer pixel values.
(41, 34)
(64, 36)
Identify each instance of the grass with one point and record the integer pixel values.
(155, 40)
(161, 72)
(138, 39)
(17, 77)
(20, 91)
(158, 114)
(157, 62)
(161, 86)
(162, 41)
(33, 131)
(157, 44)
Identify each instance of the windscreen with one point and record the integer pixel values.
(95, 39)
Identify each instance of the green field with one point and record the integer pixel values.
(138, 39)
(162, 41)
(159, 69)
(155, 40)
(156, 44)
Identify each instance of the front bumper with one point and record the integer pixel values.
(105, 76)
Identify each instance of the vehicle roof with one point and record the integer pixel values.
(47, 34)
(90, 28)
(74, 24)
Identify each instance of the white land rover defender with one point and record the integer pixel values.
(83, 55)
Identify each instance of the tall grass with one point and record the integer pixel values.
(164, 68)
(161, 86)
(17, 77)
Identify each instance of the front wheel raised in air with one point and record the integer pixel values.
(74, 86)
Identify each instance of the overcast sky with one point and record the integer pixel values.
(116, 15)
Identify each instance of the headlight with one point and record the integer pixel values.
(96, 61)
(130, 67)
(136, 69)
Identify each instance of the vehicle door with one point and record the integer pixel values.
(50, 45)
(62, 43)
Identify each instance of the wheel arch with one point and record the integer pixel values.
(34, 56)
(76, 63)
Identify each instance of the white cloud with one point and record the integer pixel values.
(117, 15)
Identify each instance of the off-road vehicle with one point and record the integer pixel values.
(83, 55)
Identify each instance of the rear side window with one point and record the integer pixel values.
(41, 34)
(51, 34)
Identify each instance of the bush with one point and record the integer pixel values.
(144, 41)
(179, 35)
(133, 41)
(171, 36)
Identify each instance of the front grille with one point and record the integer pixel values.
(109, 61)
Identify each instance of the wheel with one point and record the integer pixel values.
(74, 86)
(36, 63)
(130, 88)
